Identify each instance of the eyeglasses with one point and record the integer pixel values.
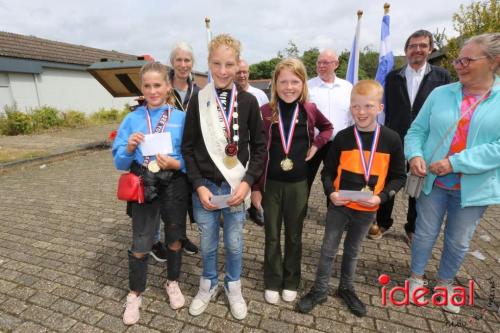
(325, 63)
(415, 46)
(465, 61)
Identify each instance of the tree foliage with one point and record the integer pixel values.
(368, 62)
(477, 18)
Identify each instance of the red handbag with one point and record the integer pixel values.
(130, 188)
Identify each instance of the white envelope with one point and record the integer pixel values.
(220, 200)
(355, 195)
(157, 143)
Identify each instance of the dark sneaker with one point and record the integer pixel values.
(189, 247)
(159, 252)
(353, 302)
(256, 216)
(310, 300)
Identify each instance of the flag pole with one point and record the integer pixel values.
(209, 39)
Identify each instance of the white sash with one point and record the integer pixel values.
(215, 141)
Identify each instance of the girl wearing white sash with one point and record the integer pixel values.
(224, 148)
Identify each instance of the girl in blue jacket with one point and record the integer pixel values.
(165, 184)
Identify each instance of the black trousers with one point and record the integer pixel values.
(314, 163)
(384, 214)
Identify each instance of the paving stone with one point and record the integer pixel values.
(166, 324)
(224, 325)
(276, 325)
(65, 306)
(30, 327)
(43, 298)
(60, 322)
(14, 306)
(88, 315)
(293, 317)
(84, 328)
(36, 313)
(112, 324)
(8, 322)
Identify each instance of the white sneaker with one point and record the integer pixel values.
(131, 314)
(237, 304)
(175, 297)
(414, 284)
(202, 298)
(289, 295)
(271, 296)
(449, 307)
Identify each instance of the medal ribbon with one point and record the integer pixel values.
(286, 141)
(160, 127)
(227, 117)
(367, 168)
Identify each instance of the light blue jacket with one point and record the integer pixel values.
(136, 121)
(479, 163)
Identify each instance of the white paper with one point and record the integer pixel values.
(485, 238)
(478, 255)
(157, 143)
(220, 200)
(354, 195)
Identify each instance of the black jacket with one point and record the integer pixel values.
(251, 145)
(399, 113)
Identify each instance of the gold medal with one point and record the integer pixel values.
(286, 164)
(230, 161)
(153, 167)
(366, 189)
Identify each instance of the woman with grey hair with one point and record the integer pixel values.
(455, 144)
(183, 89)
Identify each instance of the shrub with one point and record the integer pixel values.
(46, 117)
(74, 119)
(16, 122)
(105, 116)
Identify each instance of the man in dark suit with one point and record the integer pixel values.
(406, 90)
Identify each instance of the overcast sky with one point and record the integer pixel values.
(263, 26)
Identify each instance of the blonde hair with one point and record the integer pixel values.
(368, 88)
(225, 40)
(161, 69)
(298, 69)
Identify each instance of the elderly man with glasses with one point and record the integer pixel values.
(331, 95)
(406, 90)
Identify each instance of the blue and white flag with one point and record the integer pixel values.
(385, 59)
(352, 67)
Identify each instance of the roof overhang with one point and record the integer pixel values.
(120, 78)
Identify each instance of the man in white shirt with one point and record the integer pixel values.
(332, 96)
(242, 81)
(406, 90)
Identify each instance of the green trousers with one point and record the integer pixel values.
(283, 202)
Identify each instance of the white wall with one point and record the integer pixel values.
(5, 93)
(61, 88)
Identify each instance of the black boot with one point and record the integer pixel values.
(174, 261)
(353, 302)
(310, 300)
(137, 272)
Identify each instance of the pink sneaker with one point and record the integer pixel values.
(174, 295)
(131, 314)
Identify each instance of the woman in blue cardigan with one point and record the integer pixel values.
(455, 143)
(165, 185)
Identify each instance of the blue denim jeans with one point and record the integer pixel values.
(458, 231)
(209, 227)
